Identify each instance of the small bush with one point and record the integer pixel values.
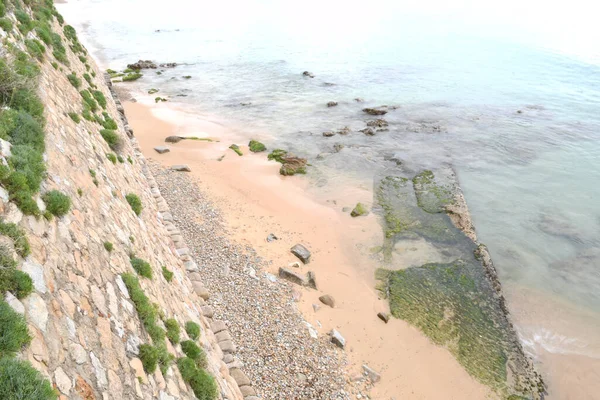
(2, 9)
(75, 81)
(43, 32)
(194, 352)
(57, 203)
(6, 25)
(80, 192)
(17, 282)
(89, 100)
(109, 123)
(135, 203)
(13, 331)
(75, 117)
(173, 330)
(168, 275)
(120, 160)
(108, 246)
(129, 160)
(187, 368)
(149, 357)
(54, 65)
(193, 330)
(25, 22)
(142, 267)
(112, 158)
(19, 380)
(83, 59)
(112, 138)
(144, 308)
(35, 48)
(18, 237)
(202, 383)
(88, 79)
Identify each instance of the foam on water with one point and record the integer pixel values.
(503, 97)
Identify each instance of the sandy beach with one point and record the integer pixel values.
(257, 201)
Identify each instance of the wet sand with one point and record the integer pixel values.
(257, 201)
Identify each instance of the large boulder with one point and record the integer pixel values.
(375, 111)
(293, 165)
(142, 64)
(173, 139)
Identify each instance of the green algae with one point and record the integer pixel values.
(237, 149)
(277, 155)
(359, 210)
(432, 196)
(256, 147)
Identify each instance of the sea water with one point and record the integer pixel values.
(508, 94)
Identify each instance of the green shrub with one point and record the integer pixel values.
(43, 32)
(109, 123)
(173, 330)
(135, 203)
(187, 368)
(26, 100)
(99, 96)
(20, 381)
(17, 282)
(75, 117)
(88, 79)
(57, 203)
(112, 158)
(108, 246)
(89, 100)
(80, 192)
(132, 76)
(54, 65)
(75, 81)
(142, 267)
(36, 48)
(193, 330)
(144, 308)
(129, 160)
(120, 159)
(25, 22)
(60, 53)
(112, 138)
(18, 237)
(202, 383)
(149, 357)
(256, 147)
(6, 24)
(13, 331)
(2, 10)
(83, 59)
(194, 352)
(168, 275)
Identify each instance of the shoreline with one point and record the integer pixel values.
(256, 201)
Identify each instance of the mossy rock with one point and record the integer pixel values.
(359, 210)
(256, 146)
(237, 149)
(432, 196)
(277, 155)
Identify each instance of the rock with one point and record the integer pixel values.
(337, 339)
(99, 370)
(301, 252)
(181, 168)
(292, 276)
(36, 272)
(368, 131)
(295, 264)
(247, 391)
(162, 149)
(37, 312)
(344, 131)
(359, 99)
(63, 382)
(346, 209)
(374, 111)
(168, 65)
(292, 165)
(142, 64)
(271, 237)
(256, 147)
(207, 311)
(309, 74)
(378, 123)
(5, 148)
(312, 280)
(174, 139)
(237, 149)
(384, 317)
(328, 300)
(332, 104)
(373, 376)
(218, 326)
(14, 303)
(78, 353)
(201, 290)
(338, 147)
(316, 307)
(240, 378)
(227, 346)
(359, 210)
(328, 134)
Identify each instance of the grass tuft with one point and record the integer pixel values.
(57, 203)
(19, 380)
(168, 275)
(13, 331)
(142, 267)
(108, 246)
(75, 81)
(193, 330)
(135, 203)
(173, 330)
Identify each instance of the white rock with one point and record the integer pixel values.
(63, 382)
(133, 344)
(37, 312)
(78, 353)
(15, 303)
(5, 148)
(121, 286)
(36, 272)
(4, 195)
(337, 339)
(99, 369)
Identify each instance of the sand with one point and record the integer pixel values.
(257, 201)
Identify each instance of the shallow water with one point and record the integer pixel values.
(512, 107)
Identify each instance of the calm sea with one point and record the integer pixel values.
(507, 93)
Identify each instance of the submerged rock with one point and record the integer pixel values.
(277, 155)
(256, 147)
(237, 149)
(378, 123)
(308, 74)
(374, 111)
(359, 100)
(332, 104)
(344, 131)
(359, 210)
(168, 65)
(328, 134)
(301, 252)
(142, 64)
(293, 165)
(368, 131)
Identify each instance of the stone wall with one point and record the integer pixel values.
(85, 329)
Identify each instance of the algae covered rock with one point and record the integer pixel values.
(277, 155)
(359, 210)
(256, 146)
(291, 165)
(237, 149)
(432, 196)
(374, 111)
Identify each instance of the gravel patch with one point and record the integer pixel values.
(274, 344)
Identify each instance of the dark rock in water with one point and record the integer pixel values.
(337, 339)
(173, 139)
(332, 104)
(162, 149)
(168, 65)
(328, 84)
(519, 111)
(328, 134)
(142, 64)
(309, 74)
(292, 165)
(378, 123)
(359, 100)
(344, 131)
(338, 147)
(181, 168)
(301, 252)
(328, 300)
(272, 237)
(359, 210)
(384, 317)
(245, 104)
(368, 131)
(374, 111)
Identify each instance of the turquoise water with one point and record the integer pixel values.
(510, 98)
